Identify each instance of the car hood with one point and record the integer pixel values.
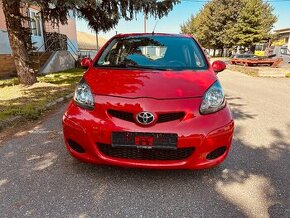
(152, 84)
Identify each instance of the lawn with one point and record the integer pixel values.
(29, 102)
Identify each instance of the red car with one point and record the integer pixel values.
(150, 101)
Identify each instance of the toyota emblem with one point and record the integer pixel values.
(145, 118)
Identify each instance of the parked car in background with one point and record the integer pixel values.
(280, 52)
(244, 55)
(150, 101)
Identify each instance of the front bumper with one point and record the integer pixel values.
(203, 133)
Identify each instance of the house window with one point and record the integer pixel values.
(35, 23)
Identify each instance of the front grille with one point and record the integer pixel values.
(145, 154)
(122, 115)
(162, 118)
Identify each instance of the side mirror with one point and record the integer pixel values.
(218, 66)
(86, 62)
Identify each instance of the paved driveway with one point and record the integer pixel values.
(39, 179)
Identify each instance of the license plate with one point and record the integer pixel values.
(144, 140)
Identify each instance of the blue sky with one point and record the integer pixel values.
(180, 14)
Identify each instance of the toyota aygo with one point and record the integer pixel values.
(150, 101)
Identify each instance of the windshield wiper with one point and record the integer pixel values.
(142, 67)
(130, 66)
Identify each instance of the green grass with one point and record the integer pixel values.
(9, 82)
(29, 102)
(63, 78)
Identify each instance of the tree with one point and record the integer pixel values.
(254, 23)
(200, 26)
(19, 38)
(229, 12)
(102, 15)
(212, 21)
(226, 23)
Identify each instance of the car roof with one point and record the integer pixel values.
(153, 34)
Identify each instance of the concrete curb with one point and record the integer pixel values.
(57, 101)
(11, 120)
(262, 72)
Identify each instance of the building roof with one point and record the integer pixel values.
(286, 30)
(88, 41)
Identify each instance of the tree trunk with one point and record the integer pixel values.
(17, 36)
(252, 48)
(222, 52)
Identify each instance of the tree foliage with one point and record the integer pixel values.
(254, 23)
(226, 23)
(102, 15)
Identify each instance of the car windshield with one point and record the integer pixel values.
(153, 52)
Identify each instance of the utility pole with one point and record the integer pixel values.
(97, 40)
(145, 22)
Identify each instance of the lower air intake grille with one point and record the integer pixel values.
(145, 154)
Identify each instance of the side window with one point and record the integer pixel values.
(112, 56)
(284, 51)
(197, 58)
(108, 56)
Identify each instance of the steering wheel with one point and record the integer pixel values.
(176, 63)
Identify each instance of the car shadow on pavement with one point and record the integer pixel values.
(251, 182)
(239, 110)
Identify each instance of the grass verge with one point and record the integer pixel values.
(245, 70)
(29, 101)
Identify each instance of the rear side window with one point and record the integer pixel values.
(160, 52)
(285, 51)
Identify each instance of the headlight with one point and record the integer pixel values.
(83, 96)
(213, 99)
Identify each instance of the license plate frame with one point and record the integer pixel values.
(145, 140)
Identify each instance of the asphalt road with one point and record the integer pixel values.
(38, 178)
